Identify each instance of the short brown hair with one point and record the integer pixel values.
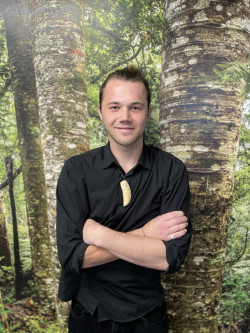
(129, 73)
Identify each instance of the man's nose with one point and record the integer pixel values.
(125, 114)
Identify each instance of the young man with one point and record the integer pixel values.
(122, 219)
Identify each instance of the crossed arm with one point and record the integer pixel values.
(107, 245)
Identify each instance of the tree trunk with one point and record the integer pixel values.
(19, 281)
(5, 254)
(199, 123)
(59, 61)
(23, 83)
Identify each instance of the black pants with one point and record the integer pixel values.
(80, 321)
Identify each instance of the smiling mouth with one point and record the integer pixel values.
(125, 128)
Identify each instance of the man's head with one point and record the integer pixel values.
(124, 107)
(130, 73)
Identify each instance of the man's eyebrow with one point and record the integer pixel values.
(140, 103)
(133, 103)
(113, 103)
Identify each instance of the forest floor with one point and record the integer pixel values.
(23, 316)
(232, 328)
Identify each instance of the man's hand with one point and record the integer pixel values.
(163, 226)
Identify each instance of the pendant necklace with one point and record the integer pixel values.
(126, 190)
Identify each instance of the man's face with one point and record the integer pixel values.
(124, 111)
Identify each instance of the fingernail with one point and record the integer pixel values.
(180, 213)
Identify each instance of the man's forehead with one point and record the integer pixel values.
(123, 81)
(114, 85)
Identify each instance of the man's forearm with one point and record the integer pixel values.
(144, 251)
(95, 256)
(159, 228)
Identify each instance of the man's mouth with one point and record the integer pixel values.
(125, 129)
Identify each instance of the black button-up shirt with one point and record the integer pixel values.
(89, 187)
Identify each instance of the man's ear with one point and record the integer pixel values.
(100, 112)
(149, 112)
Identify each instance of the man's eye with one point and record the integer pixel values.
(114, 107)
(135, 108)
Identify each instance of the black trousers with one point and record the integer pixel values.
(80, 321)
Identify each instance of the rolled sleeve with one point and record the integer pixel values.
(72, 211)
(177, 197)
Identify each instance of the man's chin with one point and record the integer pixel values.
(126, 143)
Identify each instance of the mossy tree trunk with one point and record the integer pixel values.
(199, 122)
(19, 44)
(59, 61)
(5, 254)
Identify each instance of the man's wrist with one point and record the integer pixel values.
(101, 233)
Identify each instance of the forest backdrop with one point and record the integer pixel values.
(53, 56)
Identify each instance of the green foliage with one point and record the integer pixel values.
(33, 324)
(235, 297)
(235, 74)
(7, 280)
(2, 312)
(4, 66)
(118, 33)
(39, 324)
(14, 328)
(236, 291)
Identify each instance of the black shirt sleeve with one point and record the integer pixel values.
(177, 197)
(72, 211)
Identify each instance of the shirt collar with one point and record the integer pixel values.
(145, 159)
(108, 158)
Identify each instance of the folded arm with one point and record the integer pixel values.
(107, 245)
(75, 252)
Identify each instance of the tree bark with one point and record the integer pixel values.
(5, 253)
(59, 61)
(19, 44)
(199, 123)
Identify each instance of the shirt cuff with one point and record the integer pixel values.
(75, 263)
(176, 253)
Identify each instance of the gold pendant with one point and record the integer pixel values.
(126, 192)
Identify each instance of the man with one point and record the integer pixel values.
(122, 219)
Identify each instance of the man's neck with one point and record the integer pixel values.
(127, 157)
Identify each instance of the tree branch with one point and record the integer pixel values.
(94, 80)
(242, 253)
(15, 174)
(240, 196)
(5, 88)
